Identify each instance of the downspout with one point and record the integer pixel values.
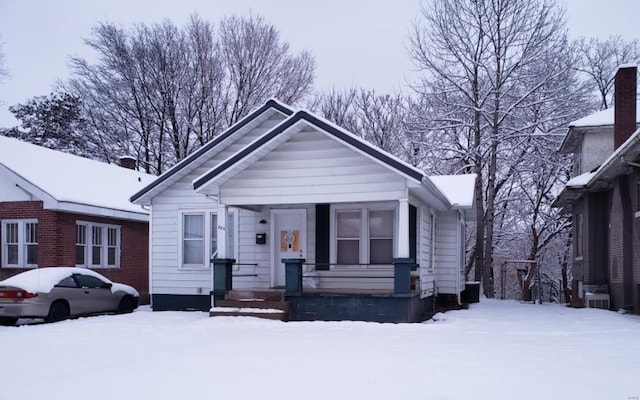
(458, 255)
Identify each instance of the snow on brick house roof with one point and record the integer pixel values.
(71, 183)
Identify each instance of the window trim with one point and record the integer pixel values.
(22, 256)
(364, 209)
(104, 244)
(206, 213)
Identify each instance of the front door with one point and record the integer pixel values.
(289, 239)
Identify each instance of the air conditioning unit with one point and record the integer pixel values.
(597, 300)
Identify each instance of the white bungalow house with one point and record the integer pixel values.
(365, 235)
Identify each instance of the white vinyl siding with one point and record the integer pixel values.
(20, 243)
(97, 245)
(168, 277)
(447, 253)
(313, 168)
(427, 249)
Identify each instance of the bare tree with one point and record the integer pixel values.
(380, 119)
(474, 54)
(599, 59)
(159, 92)
(259, 65)
(4, 72)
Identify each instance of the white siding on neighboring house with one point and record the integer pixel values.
(167, 276)
(447, 253)
(428, 266)
(311, 167)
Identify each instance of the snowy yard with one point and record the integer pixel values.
(495, 350)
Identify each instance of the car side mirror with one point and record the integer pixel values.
(108, 285)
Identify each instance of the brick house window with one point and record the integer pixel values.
(20, 243)
(97, 245)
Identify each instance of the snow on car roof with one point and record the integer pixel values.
(42, 280)
(70, 178)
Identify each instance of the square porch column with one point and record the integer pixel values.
(293, 274)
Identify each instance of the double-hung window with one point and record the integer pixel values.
(20, 243)
(364, 236)
(97, 245)
(199, 238)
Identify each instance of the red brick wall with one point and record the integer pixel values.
(57, 238)
(625, 104)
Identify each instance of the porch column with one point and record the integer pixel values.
(402, 246)
(222, 267)
(222, 278)
(222, 231)
(293, 274)
(402, 264)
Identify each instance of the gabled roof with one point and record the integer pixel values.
(594, 122)
(331, 129)
(167, 178)
(618, 163)
(71, 183)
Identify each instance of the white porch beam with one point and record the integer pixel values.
(402, 249)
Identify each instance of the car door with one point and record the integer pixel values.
(97, 296)
(69, 290)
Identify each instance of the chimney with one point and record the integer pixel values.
(127, 162)
(624, 92)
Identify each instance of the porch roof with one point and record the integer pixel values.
(417, 181)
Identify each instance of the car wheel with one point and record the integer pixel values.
(7, 321)
(127, 305)
(57, 312)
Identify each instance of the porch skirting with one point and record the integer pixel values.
(314, 306)
(180, 302)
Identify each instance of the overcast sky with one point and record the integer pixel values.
(355, 42)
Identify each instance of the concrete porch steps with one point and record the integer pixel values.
(245, 303)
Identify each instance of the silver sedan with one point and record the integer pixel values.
(57, 293)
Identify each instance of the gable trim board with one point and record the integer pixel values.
(211, 145)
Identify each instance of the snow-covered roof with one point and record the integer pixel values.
(42, 280)
(600, 118)
(458, 189)
(581, 180)
(73, 181)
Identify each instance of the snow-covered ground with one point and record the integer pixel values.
(495, 350)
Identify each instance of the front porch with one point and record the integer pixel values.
(295, 302)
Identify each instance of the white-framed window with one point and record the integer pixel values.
(20, 243)
(97, 245)
(364, 234)
(348, 233)
(199, 238)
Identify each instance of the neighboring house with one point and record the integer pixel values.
(604, 200)
(57, 209)
(350, 218)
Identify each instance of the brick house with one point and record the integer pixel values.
(57, 209)
(604, 201)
